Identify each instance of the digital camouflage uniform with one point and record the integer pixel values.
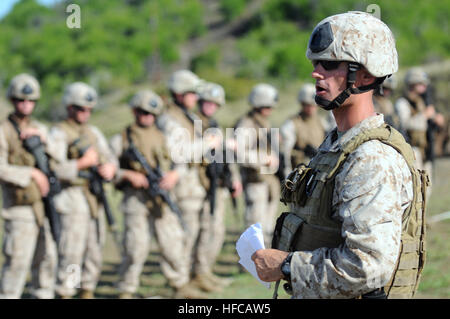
(183, 131)
(356, 223)
(82, 215)
(212, 234)
(301, 131)
(27, 240)
(410, 109)
(144, 215)
(261, 186)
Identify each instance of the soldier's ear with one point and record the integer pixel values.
(363, 78)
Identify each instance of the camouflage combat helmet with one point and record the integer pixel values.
(213, 92)
(360, 39)
(80, 94)
(307, 94)
(390, 83)
(183, 81)
(263, 95)
(415, 76)
(147, 100)
(24, 87)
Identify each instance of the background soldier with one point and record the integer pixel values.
(183, 130)
(260, 161)
(303, 133)
(27, 241)
(220, 180)
(345, 236)
(416, 116)
(144, 214)
(82, 150)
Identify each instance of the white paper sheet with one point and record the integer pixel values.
(250, 241)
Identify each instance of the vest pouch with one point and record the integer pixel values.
(26, 195)
(294, 187)
(287, 228)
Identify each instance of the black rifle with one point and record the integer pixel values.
(34, 145)
(153, 175)
(219, 173)
(96, 182)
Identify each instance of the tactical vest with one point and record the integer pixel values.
(18, 155)
(151, 143)
(79, 138)
(310, 190)
(307, 131)
(417, 138)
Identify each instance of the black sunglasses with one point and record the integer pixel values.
(327, 65)
(17, 100)
(78, 108)
(142, 112)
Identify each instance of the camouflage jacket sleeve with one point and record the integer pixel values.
(104, 149)
(115, 144)
(408, 121)
(64, 168)
(371, 193)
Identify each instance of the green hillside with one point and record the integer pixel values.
(123, 43)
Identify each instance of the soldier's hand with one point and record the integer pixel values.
(32, 131)
(273, 161)
(89, 159)
(41, 181)
(237, 189)
(137, 180)
(169, 180)
(107, 171)
(268, 263)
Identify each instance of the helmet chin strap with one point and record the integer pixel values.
(351, 79)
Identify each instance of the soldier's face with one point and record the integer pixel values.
(309, 109)
(143, 118)
(80, 114)
(265, 111)
(24, 107)
(190, 100)
(419, 88)
(330, 83)
(209, 108)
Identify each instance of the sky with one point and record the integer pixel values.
(6, 5)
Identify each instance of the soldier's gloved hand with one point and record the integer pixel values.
(89, 159)
(169, 180)
(41, 181)
(32, 131)
(107, 171)
(137, 180)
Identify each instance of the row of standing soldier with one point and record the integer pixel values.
(55, 219)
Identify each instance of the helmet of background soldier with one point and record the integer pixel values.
(183, 81)
(147, 100)
(416, 76)
(25, 87)
(307, 94)
(347, 37)
(390, 83)
(212, 92)
(80, 94)
(263, 95)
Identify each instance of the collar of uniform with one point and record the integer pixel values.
(331, 145)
